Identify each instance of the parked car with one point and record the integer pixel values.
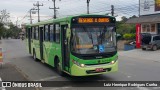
(150, 41)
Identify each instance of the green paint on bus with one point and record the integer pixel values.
(79, 45)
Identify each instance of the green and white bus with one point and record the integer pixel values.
(79, 45)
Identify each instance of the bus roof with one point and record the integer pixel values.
(67, 18)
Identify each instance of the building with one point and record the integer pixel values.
(149, 19)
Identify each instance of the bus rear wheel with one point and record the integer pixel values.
(58, 67)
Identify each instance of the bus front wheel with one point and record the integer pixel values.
(58, 67)
(34, 56)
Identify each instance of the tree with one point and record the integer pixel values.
(124, 19)
(13, 31)
(1, 29)
(123, 28)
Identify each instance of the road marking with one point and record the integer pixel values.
(156, 88)
(129, 75)
(57, 88)
(2, 88)
(143, 88)
(48, 78)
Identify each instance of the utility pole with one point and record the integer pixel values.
(54, 8)
(38, 5)
(139, 8)
(88, 6)
(17, 22)
(112, 10)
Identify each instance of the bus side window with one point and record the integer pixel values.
(37, 33)
(51, 33)
(46, 33)
(57, 33)
(27, 30)
(33, 33)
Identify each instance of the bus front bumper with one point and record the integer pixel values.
(91, 70)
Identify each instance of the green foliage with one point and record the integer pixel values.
(123, 28)
(129, 36)
(1, 30)
(13, 31)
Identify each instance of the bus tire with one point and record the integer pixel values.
(57, 67)
(34, 55)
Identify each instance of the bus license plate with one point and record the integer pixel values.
(99, 69)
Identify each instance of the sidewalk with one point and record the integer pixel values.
(140, 54)
(9, 72)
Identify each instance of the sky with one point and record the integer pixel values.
(19, 9)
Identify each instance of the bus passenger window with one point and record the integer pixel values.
(31, 33)
(34, 32)
(46, 33)
(37, 33)
(51, 33)
(57, 33)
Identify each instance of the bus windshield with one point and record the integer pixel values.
(93, 40)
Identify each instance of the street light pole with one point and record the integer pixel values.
(30, 11)
(31, 16)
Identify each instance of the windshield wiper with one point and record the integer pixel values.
(101, 36)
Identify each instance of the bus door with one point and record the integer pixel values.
(65, 47)
(41, 41)
(29, 39)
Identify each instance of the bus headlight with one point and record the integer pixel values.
(78, 64)
(82, 65)
(112, 62)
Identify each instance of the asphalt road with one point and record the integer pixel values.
(134, 65)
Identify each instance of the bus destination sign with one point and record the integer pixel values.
(93, 20)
